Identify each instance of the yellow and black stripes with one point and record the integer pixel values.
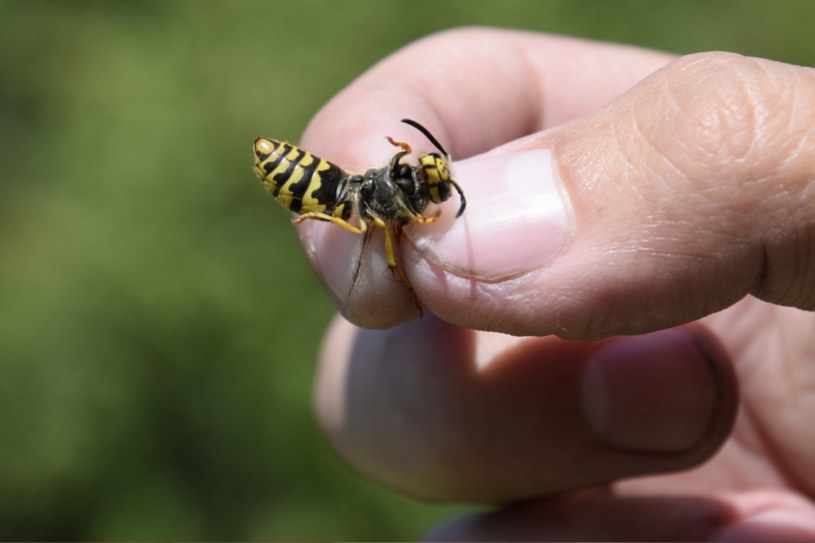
(299, 180)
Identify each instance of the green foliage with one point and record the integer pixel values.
(154, 376)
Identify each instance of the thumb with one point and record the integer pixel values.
(691, 191)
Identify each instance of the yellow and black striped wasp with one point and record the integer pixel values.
(389, 197)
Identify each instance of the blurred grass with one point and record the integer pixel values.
(158, 323)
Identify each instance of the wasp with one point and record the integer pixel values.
(389, 198)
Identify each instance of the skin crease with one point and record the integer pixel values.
(705, 155)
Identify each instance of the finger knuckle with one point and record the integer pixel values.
(717, 107)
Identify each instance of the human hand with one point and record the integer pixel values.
(681, 214)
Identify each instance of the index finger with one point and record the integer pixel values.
(474, 89)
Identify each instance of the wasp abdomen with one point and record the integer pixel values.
(299, 180)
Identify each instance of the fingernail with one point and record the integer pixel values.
(655, 393)
(516, 218)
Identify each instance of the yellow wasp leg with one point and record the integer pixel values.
(427, 220)
(390, 255)
(342, 223)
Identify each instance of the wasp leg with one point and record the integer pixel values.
(342, 223)
(355, 276)
(406, 150)
(427, 220)
(391, 240)
(390, 253)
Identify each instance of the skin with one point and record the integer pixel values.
(671, 331)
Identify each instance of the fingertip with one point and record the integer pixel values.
(356, 275)
(470, 416)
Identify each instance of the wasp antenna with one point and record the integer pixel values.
(427, 134)
(461, 197)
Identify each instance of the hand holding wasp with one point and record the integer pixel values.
(643, 228)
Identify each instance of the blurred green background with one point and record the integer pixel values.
(158, 322)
